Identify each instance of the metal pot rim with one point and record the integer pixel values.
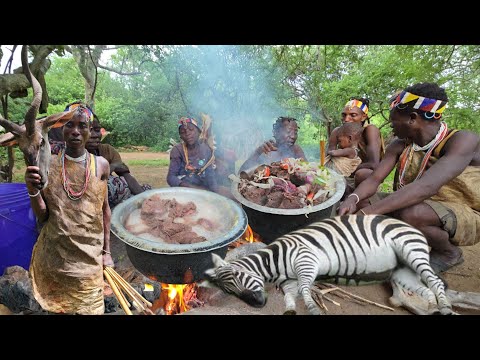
(156, 247)
(340, 187)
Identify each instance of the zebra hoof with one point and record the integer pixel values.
(290, 312)
(448, 311)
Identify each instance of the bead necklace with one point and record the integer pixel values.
(75, 195)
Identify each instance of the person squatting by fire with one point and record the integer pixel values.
(436, 183)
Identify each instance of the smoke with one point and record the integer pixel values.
(238, 89)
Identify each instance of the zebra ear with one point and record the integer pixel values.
(218, 261)
(210, 274)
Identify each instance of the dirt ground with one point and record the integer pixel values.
(464, 277)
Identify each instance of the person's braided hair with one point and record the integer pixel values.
(281, 122)
(428, 90)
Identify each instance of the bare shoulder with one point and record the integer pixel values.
(103, 167)
(396, 147)
(371, 131)
(462, 142)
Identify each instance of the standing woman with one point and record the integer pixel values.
(371, 147)
(74, 243)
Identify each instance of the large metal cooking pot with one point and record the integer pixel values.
(270, 223)
(178, 263)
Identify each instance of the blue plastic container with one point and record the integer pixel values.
(18, 232)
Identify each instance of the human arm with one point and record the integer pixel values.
(458, 153)
(265, 148)
(369, 186)
(348, 152)
(176, 162)
(133, 184)
(372, 137)
(32, 179)
(332, 140)
(299, 154)
(107, 214)
(116, 163)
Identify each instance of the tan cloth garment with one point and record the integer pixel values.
(342, 164)
(461, 195)
(67, 265)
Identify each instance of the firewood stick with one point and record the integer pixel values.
(331, 300)
(112, 284)
(132, 290)
(361, 298)
(121, 292)
(134, 295)
(129, 291)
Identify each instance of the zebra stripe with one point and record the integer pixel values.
(359, 248)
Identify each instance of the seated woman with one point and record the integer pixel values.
(191, 161)
(285, 133)
(345, 159)
(371, 148)
(122, 185)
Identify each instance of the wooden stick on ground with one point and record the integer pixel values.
(359, 297)
(119, 296)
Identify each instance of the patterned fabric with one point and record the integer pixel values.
(56, 146)
(185, 120)
(86, 109)
(422, 103)
(359, 104)
(118, 190)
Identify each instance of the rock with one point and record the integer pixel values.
(16, 291)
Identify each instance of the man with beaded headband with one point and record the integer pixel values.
(436, 180)
(74, 244)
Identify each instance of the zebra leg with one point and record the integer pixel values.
(415, 256)
(290, 289)
(410, 293)
(306, 274)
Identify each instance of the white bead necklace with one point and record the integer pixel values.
(77, 159)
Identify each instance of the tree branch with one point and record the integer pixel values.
(117, 71)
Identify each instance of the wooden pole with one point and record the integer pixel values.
(119, 296)
(322, 152)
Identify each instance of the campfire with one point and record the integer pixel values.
(249, 236)
(179, 298)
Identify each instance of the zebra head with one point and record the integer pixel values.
(238, 281)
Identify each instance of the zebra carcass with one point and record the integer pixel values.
(354, 248)
(409, 292)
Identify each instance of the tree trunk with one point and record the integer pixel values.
(87, 58)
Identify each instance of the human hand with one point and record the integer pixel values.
(267, 146)
(33, 179)
(348, 206)
(107, 260)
